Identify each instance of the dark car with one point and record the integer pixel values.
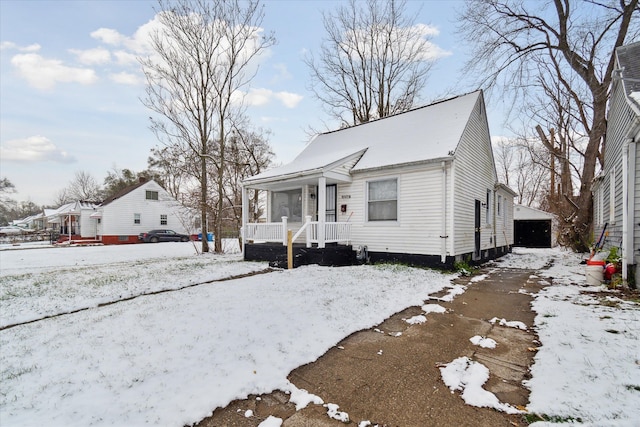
(163, 235)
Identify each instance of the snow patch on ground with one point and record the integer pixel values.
(483, 342)
(510, 324)
(467, 376)
(433, 308)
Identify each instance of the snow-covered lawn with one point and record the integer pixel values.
(170, 358)
(588, 366)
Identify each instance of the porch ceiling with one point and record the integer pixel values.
(283, 183)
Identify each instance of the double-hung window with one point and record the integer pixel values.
(382, 200)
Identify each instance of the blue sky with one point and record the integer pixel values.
(70, 93)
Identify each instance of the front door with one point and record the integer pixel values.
(476, 253)
(331, 214)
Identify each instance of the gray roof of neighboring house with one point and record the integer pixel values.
(422, 134)
(629, 60)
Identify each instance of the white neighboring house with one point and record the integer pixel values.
(418, 187)
(73, 220)
(137, 209)
(616, 190)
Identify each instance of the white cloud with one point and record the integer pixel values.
(92, 56)
(260, 97)
(11, 45)
(125, 58)
(109, 36)
(125, 78)
(290, 100)
(34, 149)
(282, 73)
(44, 73)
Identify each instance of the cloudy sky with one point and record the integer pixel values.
(70, 85)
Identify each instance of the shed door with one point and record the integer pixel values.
(476, 253)
(331, 215)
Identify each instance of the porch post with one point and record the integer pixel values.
(322, 209)
(284, 231)
(245, 216)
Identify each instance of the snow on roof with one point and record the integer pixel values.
(425, 133)
(521, 212)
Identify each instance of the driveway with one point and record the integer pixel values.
(390, 375)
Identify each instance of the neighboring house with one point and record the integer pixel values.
(73, 220)
(616, 191)
(137, 209)
(533, 228)
(418, 187)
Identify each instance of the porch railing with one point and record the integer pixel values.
(334, 232)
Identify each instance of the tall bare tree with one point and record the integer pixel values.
(203, 52)
(373, 62)
(84, 187)
(575, 40)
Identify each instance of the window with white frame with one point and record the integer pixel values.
(163, 220)
(382, 200)
(499, 206)
(151, 195)
(136, 218)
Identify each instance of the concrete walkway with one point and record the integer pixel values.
(389, 375)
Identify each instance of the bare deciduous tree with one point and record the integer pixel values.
(575, 41)
(373, 62)
(203, 51)
(83, 187)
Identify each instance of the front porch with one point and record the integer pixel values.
(326, 244)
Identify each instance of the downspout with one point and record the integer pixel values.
(443, 233)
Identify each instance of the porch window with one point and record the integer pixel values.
(151, 195)
(499, 205)
(163, 220)
(136, 218)
(287, 203)
(382, 200)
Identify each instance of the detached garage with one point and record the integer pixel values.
(532, 228)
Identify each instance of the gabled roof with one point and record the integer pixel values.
(629, 61)
(72, 208)
(124, 192)
(419, 135)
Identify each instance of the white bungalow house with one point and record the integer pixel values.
(72, 220)
(137, 209)
(616, 191)
(418, 187)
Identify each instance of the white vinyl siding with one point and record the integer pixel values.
(117, 216)
(474, 173)
(420, 211)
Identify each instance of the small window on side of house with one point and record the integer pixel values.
(136, 218)
(382, 200)
(163, 220)
(499, 206)
(151, 195)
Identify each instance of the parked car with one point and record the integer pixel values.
(12, 230)
(163, 235)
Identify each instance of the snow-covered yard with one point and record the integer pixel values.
(170, 358)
